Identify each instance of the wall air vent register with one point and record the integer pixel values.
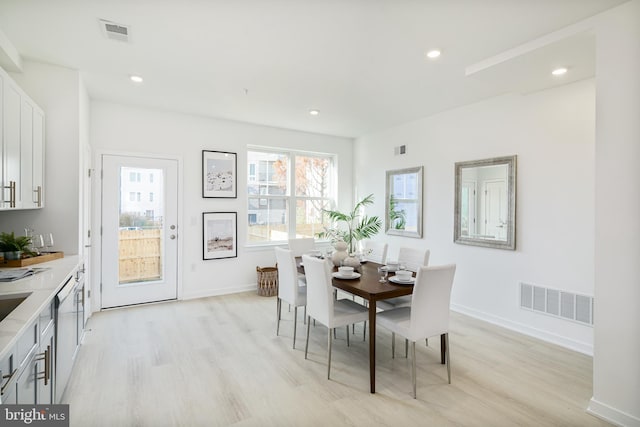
(562, 304)
(115, 31)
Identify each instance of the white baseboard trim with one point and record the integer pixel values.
(216, 292)
(612, 415)
(578, 346)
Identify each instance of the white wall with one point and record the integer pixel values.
(118, 128)
(57, 91)
(616, 373)
(552, 133)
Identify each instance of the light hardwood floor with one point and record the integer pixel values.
(217, 362)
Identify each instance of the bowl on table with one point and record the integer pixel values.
(404, 275)
(345, 271)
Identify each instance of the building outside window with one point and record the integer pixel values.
(286, 194)
(142, 204)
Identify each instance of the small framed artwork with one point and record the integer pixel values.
(219, 235)
(219, 176)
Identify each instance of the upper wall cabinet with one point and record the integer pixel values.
(22, 148)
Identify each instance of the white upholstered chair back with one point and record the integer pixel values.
(319, 289)
(413, 259)
(430, 301)
(375, 251)
(299, 247)
(287, 277)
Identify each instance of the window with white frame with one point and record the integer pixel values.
(286, 193)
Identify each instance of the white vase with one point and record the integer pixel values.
(351, 261)
(340, 253)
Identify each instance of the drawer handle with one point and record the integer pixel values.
(46, 356)
(9, 378)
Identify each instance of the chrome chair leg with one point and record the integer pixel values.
(295, 323)
(347, 335)
(446, 339)
(393, 345)
(329, 354)
(364, 332)
(278, 310)
(306, 346)
(304, 318)
(413, 367)
(406, 348)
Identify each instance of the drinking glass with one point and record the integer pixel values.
(383, 273)
(37, 243)
(48, 241)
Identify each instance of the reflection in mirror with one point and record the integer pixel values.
(404, 202)
(485, 202)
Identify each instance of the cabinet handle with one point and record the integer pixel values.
(38, 192)
(12, 194)
(46, 356)
(9, 378)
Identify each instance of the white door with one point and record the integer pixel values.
(139, 230)
(468, 209)
(496, 209)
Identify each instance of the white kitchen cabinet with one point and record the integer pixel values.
(26, 385)
(46, 366)
(31, 158)
(11, 145)
(28, 371)
(22, 174)
(37, 187)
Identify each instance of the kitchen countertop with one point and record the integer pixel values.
(43, 288)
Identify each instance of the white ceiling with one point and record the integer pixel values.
(360, 62)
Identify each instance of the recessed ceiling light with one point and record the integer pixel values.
(559, 71)
(136, 79)
(433, 54)
(314, 112)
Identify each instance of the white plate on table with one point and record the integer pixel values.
(354, 275)
(395, 279)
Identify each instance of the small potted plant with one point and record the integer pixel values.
(14, 246)
(356, 226)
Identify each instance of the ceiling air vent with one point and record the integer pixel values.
(115, 31)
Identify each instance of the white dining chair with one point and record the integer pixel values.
(375, 251)
(413, 259)
(323, 307)
(290, 288)
(428, 314)
(299, 247)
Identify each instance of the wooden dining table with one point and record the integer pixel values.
(369, 287)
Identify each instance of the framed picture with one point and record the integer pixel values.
(219, 176)
(219, 235)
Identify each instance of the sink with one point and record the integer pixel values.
(8, 303)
